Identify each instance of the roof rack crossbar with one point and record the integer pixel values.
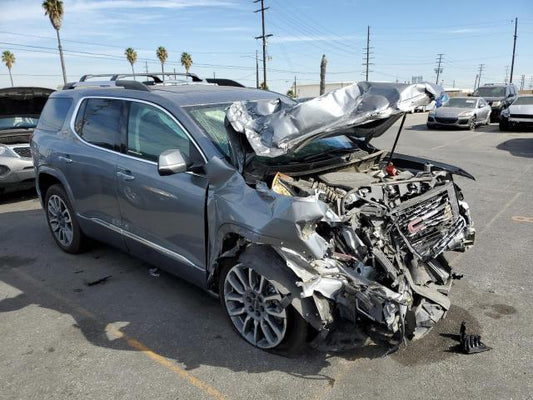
(156, 76)
(126, 84)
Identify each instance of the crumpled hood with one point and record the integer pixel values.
(20, 101)
(364, 110)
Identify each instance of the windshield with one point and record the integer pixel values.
(211, 119)
(460, 103)
(18, 122)
(523, 101)
(490, 91)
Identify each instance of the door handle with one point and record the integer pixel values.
(66, 158)
(125, 175)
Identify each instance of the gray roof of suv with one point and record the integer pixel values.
(187, 95)
(181, 95)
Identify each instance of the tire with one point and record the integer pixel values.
(284, 333)
(472, 124)
(504, 125)
(430, 126)
(62, 221)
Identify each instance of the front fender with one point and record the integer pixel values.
(417, 163)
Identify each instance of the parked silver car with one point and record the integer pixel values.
(303, 229)
(20, 108)
(460, 112)
(518, 115)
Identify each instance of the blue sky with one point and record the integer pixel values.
(219, 34)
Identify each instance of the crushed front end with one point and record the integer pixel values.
(364, 238)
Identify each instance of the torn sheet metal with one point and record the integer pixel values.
(365, 109)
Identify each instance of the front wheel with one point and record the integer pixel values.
(254, 307)
(62, 221)
(472, 124)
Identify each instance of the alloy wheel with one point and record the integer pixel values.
(60, 220)
(254, 307)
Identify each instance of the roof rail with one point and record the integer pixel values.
(133, 85)
(155, 76)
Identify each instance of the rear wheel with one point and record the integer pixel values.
(62, 221)
(254, 307)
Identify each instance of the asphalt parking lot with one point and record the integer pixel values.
(137, 336)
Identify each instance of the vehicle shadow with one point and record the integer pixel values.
(14, 197)
(166, 314)
(520, 147)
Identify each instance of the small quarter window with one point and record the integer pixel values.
(54, 113)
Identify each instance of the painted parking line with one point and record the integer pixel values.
(114, 330)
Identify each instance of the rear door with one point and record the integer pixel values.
(162, 216)
(89, 165)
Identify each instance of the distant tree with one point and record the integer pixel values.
(186, 61)
(291, 93)
(54, 10)
(162, 54)
(323, 64)
(131, 56)
(9, 59)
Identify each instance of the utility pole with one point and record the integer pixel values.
(514, 48)
(367, 53)
(175, 74)
(506, 74)
(522, 82)
(146, 67)
(295, 95)
(438, 70)
(264, 37)
(475, 82)
(480, 71)
(256, 70)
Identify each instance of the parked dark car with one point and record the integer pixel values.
(283, 209)
(499, 96)
(518, 115)
(20, 108)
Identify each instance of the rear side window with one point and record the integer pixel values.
(101, 122)
(54, 113)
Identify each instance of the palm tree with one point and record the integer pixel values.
(323, 64)
(131, 55)
(9, 58)
(54, 9)
(162, 54)
(186, 61)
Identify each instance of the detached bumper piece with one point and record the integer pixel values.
(471, 344)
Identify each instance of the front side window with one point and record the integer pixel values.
(152, 131)
(100, 122)
(211, 119)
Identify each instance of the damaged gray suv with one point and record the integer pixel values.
(305, 231)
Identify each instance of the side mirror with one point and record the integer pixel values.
(171, 161)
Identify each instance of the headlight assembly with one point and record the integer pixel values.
(6, 151)
(496, 103)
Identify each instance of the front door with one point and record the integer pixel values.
(162, 216)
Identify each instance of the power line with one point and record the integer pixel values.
(480, 72)
(439, 69)
(514, 48)
(366, 53)
(263, 37)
